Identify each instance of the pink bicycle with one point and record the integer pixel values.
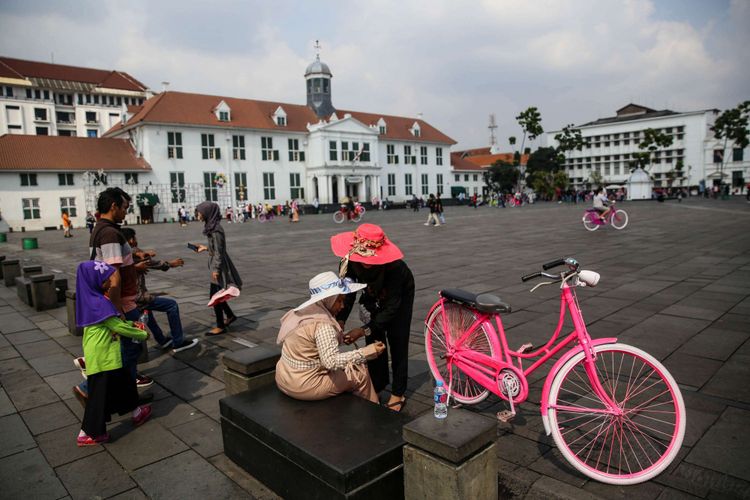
(618, 219)
(614, 411)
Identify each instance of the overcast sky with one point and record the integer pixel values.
(454, 61)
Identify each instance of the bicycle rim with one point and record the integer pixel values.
(589, 224)
(439, 335)
(619, 219)
(338, 217)
(626, 449)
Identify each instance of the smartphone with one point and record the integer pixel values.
(192, 247)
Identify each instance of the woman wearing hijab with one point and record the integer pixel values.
(110, 386)
(311, 366)
(225, 280)
(368, 256)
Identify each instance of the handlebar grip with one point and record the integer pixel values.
(530, 276)
(554, 263)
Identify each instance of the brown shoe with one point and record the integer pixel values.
(80, 395)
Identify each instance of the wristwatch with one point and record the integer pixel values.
(367, 331)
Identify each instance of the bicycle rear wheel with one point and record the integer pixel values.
(588, 223)
(619, 219)
(357, 216)
(441, 334)
(617, 449)
(338, 217)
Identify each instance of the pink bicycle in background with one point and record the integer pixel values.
(618, 219)
(614, 411)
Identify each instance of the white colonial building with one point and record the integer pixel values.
(612, 141)
(52, 99)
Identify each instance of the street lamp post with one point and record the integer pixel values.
(230, 180)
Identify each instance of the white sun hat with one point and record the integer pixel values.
(328, 284)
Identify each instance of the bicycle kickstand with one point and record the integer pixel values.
(506, 416)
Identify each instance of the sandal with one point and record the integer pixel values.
(216, 331)
(229, 321)
(400, 404)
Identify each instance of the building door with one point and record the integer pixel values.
(334, 189)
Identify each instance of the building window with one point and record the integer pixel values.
(28, 93)
(466, 177)
(28, 180)
(737, 154)
(476, 177)
(240, 186)
(266, 150)
(738, 180)
(457, 177)
(382, 130)
(8, 91)
(37, 94)
(31, 208)
(174, 145)
(423, 155)
(408, 157)
(131, 179)
(91, 117)
(296, 189)
(64, 117)
(281, 121)
(440, 183)
(69, 205)
(224, 116)
(92, 133)
(40, 114)
(391, 184)
(208, 149)
(209, 186)
(391, 156)
(42, 131)
(364, 155)
(238, 147)
(269, 189)
(407, 185)
(100, 179)
(65, 179)
(425, 184)
(294, 153)
(177, 182)
(345, 153)
(333, 153)
(718, 155)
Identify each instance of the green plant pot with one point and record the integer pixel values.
(3, 237)
(30, 243)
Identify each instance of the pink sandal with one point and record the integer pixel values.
(143, 414)
(89, 441)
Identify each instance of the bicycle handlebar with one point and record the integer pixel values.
(554, 263)
(531, 276)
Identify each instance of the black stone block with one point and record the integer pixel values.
(23, 290)
(253, 360)
(61, 287)
(454, 438)
(343, 447)
(31, 270)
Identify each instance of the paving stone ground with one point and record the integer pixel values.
(675, 282)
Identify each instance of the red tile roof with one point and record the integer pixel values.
(486, 160)
(56, 153)
(459, 163)
(182, 108)
(19, 68)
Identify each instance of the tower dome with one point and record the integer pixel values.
(318, 80)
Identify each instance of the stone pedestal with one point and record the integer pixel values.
(23, 290)
(11, 270)
(31, 270)
(70, 306)
(249, 368)
(2, 259)
(451, 458)
(61, 287)
(43, 291)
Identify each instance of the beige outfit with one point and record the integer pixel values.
(312, 367)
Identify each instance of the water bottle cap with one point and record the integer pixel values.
(439, 383)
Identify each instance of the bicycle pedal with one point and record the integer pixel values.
(528, 346)
(505, 416)
(457, 405)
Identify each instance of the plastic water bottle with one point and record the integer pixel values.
(441, 400)
(140, 324)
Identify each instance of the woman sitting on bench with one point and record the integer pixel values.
(311, 366)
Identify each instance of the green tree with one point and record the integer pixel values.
(596, 179)
(653, 140)
(542, 160)
(678, 166)
(731, 125)
(501, 177)
(546, 183)
(568, 139)
(531, 124)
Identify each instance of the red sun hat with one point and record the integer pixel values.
(367, 244)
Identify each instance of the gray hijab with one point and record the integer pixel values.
(211, 217)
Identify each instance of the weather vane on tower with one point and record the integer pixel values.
(317, 49)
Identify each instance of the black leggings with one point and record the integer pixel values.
(396, 339)
(220, 309)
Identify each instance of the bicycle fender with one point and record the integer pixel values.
(551, 376)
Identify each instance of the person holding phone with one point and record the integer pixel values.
(225, 280)
(312, 366)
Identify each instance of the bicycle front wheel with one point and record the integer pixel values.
(619, 219)
(338, 217)
(589, 224)
(628, 448)
(357, 216)
(440, 334)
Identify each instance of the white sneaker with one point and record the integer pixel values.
(166, 344)
(187, 344)
(426, 223)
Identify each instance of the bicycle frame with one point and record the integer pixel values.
(486, 370)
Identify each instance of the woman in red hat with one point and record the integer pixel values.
(386, 305)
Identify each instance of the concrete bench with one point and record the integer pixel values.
(339, 448)
(249, 368)
(31, 270)
(23, 290)
(11, 270)
(43, 291)
(70, 306)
